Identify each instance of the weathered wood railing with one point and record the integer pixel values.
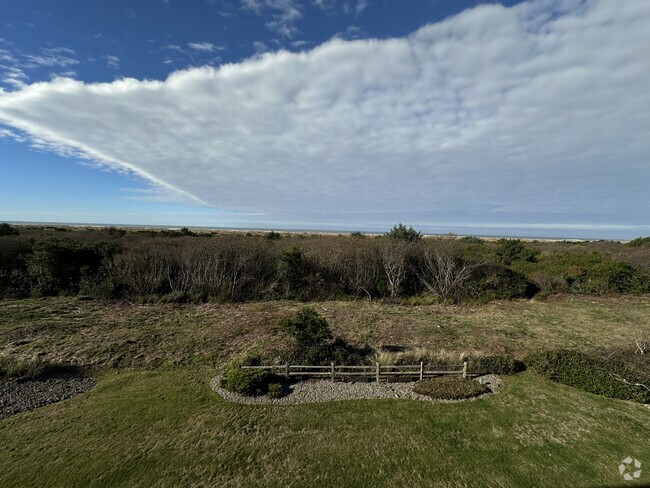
(378, 371)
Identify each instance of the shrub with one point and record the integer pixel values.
(598, 375)
(639, 242)
(502, 364)
(250, 382)
(512, 250)
(450, 388)
(57, 265)
(593, 273)
(8, 230)
(276, 390)
(495, 282)
(292, 272)
(403, 233)
(308, 328)
(472, 240)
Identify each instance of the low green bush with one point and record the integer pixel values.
(450, 388)
(594, 374)
(590, 273)
(639, 242)
(249, 382)
(496, 282)
(276, 390)
(252, 382)
(500, 364)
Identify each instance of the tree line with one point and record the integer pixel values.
(184, 266)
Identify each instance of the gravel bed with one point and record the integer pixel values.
(17, 396)
(316, 391)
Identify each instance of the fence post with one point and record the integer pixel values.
(377, 374)
(332, 371)
(465, 368)
(421, 370)
(286, 370)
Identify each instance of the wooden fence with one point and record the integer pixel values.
(378, 371)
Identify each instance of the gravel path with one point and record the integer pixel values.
(22, 396)
(316, 391)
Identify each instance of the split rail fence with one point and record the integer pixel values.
(378, 372)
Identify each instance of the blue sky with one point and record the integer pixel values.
(508, 118)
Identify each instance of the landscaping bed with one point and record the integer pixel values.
(317, 391)
(22, 395)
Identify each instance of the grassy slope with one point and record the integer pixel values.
(165, 426)
(147, 428)
(125, 335)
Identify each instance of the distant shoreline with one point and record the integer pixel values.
(487, 237)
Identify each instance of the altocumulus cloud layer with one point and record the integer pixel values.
(538, 113)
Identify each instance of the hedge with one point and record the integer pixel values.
(502, 364)
(593, 374)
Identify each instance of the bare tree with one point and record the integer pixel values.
(365, 269)
(143, 269)
(443, 269)
(394, 259)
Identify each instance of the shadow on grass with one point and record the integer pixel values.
(12, 368)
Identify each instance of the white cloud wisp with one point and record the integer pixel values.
(526, 114)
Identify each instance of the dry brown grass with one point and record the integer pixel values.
(132, 335)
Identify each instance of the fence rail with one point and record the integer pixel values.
(378, 371)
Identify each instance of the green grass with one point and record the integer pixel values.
(148, 428)
(160, 425)
(119, 334)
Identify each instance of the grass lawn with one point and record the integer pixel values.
(153, 421)
(167, 428)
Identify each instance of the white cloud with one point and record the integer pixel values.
(260, 47)
(284, 14)
(9, 134)
(51, 57)
(537, 113)
(6, 56)
(16, 66)
(352, 32)
(253, 5)
(299, 44)
(325, 5)
(64, 74)
(347, 7)
(206, 47)
(13, 76)
(112, 62)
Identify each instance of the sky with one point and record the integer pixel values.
(526, 119)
